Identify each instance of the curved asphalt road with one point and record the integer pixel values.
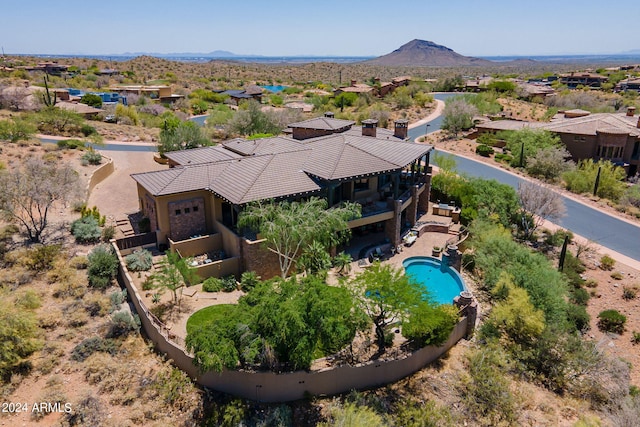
(606, 230)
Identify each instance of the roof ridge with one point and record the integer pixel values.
(375, 155)
(258, 174)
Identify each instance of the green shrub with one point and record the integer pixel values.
(579, 296)
(103, 266)
(249, 280)
(212, 284)
(122, 324)
(636, 337)
(117, 298)
(144, 225)
(87, 347)
(578, 317)
(611, 321)
(484, 150)
(139, 260)
(229, 284)
(86, 230)
(8, 231)
(91, 158)
(71, 144)
(88, 130)
(607, 263)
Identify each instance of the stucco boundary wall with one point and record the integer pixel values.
(100, 175)
(274, 387)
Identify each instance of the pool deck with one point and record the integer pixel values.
(423, 244)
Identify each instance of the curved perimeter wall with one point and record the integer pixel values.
(274, 387)
(100, 174)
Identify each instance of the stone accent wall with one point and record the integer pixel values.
(186, 218)
(256, 257)
(149, 210)
(423, 201)
(393, 226)
(412, 210)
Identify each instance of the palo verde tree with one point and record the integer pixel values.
(458, 116)
(291, 227)
(181, 136)
(28, 194)
(387, 296)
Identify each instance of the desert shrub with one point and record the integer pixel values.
(629, 292)
(88, 411)
(582, 179)
(173, 385)
(353, 415)
(92, 345)
(430, 325)
(611, 321)
(79, 262)
(71, 144)
(579, 296)
(108, 233)
(86, 230)
(616, 275)
(122, 324)
(487, 392)
(8, 231)
(91, 158)
(28, 299)
(212, 284)
(549, 163)
(428, 414)
(635, 337)
(139, 260)
(557, 238)
(42, 257)
(117, 298)
(578, 317)
(93, 212)
(607, 263)
(103, 266)
(484, 150)
(96, 304)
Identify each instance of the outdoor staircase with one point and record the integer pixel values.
(124, 226)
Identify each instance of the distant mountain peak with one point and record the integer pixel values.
(424, 53)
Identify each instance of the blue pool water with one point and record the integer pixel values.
(442, 282)
(274, 89)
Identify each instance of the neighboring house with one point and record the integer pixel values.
(158, 92)
(478, 84)
(628, 84)
(575, 79)
(535, 90)
(608, 136)
(378, 88)
(82, 109)
(51, 68)
(206, 189)
(250, 92)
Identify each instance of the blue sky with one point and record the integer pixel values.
(328, 27)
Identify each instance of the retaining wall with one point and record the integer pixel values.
(100, 174)
(274, 387)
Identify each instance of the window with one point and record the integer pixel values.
(178, 212)
(195, 209)
(187, 210)
(361, 184)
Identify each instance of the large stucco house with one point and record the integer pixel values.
(205, 189)
(606, 136)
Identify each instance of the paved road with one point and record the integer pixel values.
(588, 222)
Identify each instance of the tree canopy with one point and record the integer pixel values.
(183, 135)
(279, 323)
(291, 227)
(28, 194)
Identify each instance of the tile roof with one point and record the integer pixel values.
(323, 123)
(280, 167)
(586, 125)
(201, 155)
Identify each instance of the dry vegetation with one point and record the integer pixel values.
(127, 383)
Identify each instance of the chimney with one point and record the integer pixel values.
(369, 127)
(631, 111)
(353, 82)
(329, 114)
(401, 128)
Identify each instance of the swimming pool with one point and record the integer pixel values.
(441, 281)
(274, 88)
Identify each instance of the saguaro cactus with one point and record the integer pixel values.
(46, 97)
